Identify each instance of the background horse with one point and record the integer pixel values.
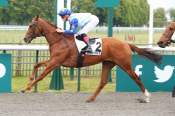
(63, 51)
(165, 39)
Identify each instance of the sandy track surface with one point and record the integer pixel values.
(73, 104)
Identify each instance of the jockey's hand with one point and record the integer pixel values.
(60, 30)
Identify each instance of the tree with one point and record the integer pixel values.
(133, 12)
(129, 12)
(89, 6)
(159, 17)
(22, 11)
(5, 16)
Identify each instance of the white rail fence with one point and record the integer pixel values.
(13, 27)
(99, 28)
(24, 47)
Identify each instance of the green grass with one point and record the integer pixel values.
(87, 84)
(18, 35)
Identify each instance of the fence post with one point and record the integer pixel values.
(36, 74)
(71, 73)
(78, 87)
(4, 51)
(56, 80)
(110, 30)
(116, 78)
(18, 63)
(173, 92)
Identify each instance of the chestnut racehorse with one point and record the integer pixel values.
(63, 51)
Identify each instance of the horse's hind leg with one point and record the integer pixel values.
(134, 76)
(106, 67)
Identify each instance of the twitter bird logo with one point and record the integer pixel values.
(163, 75)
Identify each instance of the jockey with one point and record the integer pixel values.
(80, 24)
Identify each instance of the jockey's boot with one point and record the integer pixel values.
(88, 47)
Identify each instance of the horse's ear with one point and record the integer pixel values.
(36, 18)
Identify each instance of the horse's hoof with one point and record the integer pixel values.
(143, 100)
(90, 100)
(147, 101)
(22, 91)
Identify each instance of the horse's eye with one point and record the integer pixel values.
(171, 28)
(30, 26)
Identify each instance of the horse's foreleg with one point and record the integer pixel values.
(35, 69)
(50, 66)
(106, 67)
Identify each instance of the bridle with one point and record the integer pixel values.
(34, 27)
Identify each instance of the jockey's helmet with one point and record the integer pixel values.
(64, 12)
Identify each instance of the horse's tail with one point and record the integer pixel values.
(148, 53)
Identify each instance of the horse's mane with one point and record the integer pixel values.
(53, 25)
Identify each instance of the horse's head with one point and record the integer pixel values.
(165, 39)
(34, 30)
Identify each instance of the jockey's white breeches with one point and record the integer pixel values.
(90, 25)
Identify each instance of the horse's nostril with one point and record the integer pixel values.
(160, 42)
(25, 39)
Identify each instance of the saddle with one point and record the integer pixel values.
(94, 46)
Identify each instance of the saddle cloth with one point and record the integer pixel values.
(95, 44)
(173, 37)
